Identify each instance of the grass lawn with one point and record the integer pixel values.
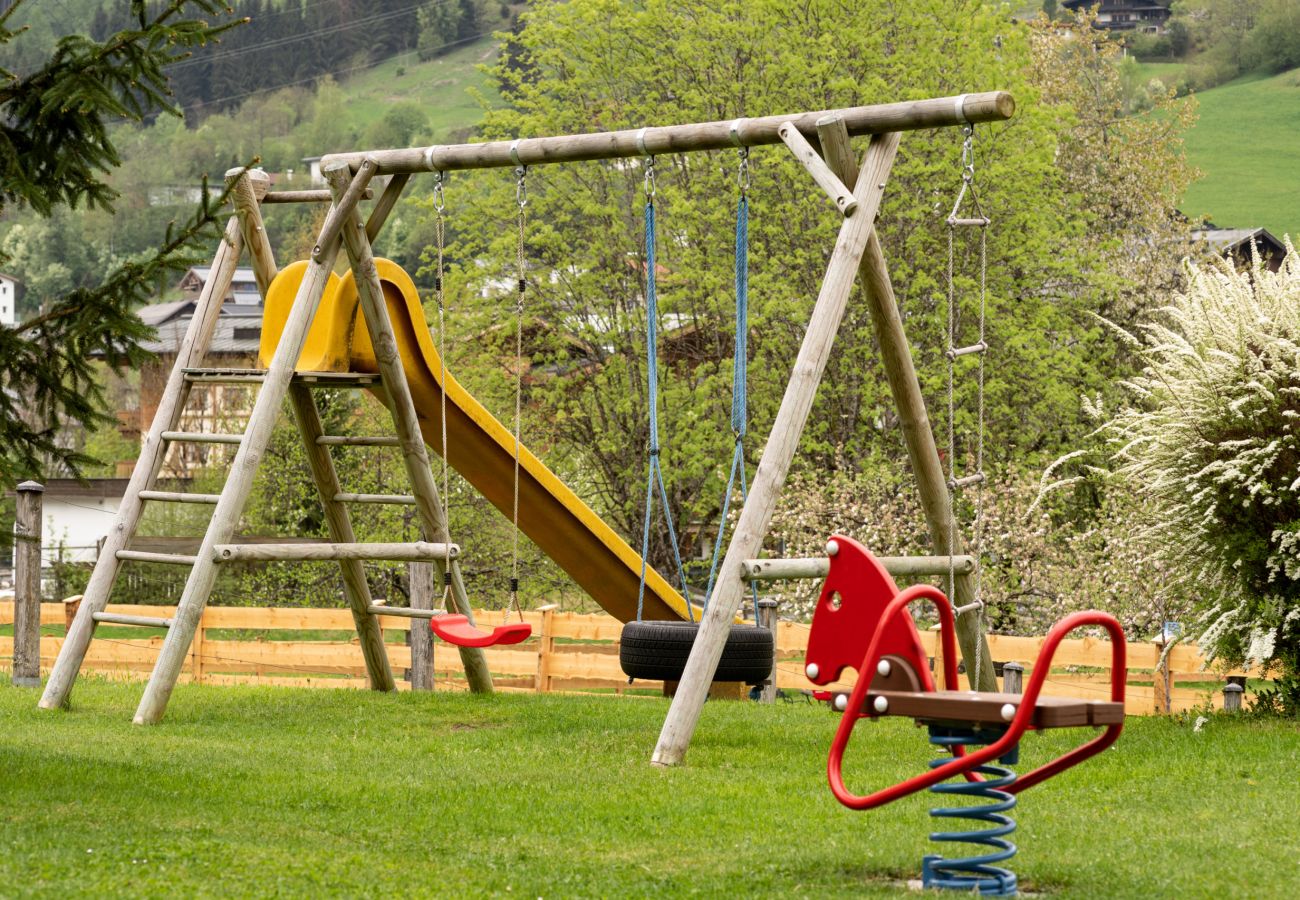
(443, 87)
(1245, 144)
(275, 791)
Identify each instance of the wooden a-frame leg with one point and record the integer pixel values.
(355, 587)
(415, 455)
(778, 453)
(239, 482)
(152, 453)
(896, 356)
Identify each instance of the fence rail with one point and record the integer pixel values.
(568, 652)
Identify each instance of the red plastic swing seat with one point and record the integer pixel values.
(456, 629)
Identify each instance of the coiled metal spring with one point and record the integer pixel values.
(974, 873)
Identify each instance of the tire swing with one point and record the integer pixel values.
(658, 650)
(455, 628)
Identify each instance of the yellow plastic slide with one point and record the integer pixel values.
(478, 446)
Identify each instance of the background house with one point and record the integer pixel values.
(1236, 243)
(1144, 16)
(9, 286)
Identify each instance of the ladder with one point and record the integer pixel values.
(245, 231)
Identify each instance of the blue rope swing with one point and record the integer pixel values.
(655, 473)
(739, 395)
(739, 392)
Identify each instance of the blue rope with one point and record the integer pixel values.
(739, 393)
(655, 472)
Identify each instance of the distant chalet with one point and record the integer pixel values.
(1142, 16)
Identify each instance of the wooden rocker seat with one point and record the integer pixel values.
(456, 629)
(988, 708)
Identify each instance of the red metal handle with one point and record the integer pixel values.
(963, 763)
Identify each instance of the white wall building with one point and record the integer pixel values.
(8, 299)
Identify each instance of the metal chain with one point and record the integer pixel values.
(521, 197)
(440, 206)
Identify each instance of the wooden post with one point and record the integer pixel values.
(414, 454)
(420, 577)
(896, 356)
(1232, 697)
(27, 586)
(940, 679)
(778, 453)
(884, 118)
(1013, 678)
(545, 648)
(766, 614)
(247, 187)
(1160, 679)
(196, 652)
(70, 607)
(152, 453)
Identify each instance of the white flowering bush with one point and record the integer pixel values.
(1209, 435)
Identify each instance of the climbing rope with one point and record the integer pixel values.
(739, 377)
(521, 199)
(654, 473)
(955, 352)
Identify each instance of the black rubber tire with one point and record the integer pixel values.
(657, 651)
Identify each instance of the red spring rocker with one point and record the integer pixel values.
(862, 622)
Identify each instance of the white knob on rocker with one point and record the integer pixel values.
(881, 705)
(841, 702)
(832, 547)
(812, 671)
(883, 668)
(1008, 712)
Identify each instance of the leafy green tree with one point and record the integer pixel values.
(56, 151)
(597, 64)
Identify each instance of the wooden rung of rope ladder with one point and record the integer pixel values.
(389, 499)
(796, 569)
(178, 497)
(167, 559)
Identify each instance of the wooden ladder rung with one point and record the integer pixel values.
(224, 376)
(334, 440)
(968, 481)
(420, 550)
(172, 559)
(820, 566)
(391, 499)
(379, 609)
(178, 497)
(142, 621)
(338, 379)
(981, 222)
(202, 437)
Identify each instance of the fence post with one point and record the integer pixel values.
(940, 682)
(70, 607)
(420, 576)
(546, 648)
(765, 612)
(1232, 693)
(1013, 678)
(196, 650)
(27, 586)
(1160, 680)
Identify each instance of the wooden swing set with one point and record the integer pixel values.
(821, 142)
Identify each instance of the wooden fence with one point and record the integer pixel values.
(569, 652)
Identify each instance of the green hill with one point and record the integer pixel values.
(1246, 145)
(446, 88)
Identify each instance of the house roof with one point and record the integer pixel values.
(236, 333)
(1230, 240)
(243, 274)
(157, 313)
(12, 278)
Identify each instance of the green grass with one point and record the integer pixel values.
(443, 87)
(1166, 72)
(1245, 144)
(265, 791)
